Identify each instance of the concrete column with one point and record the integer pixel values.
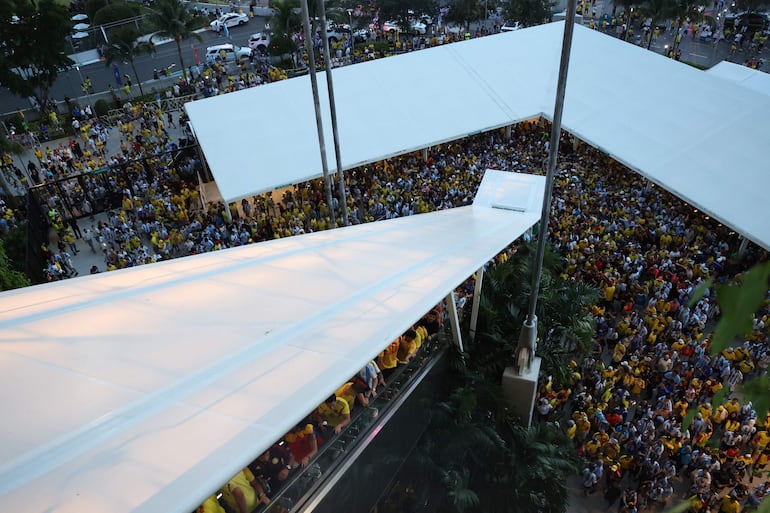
(508, 131)
(519, 390)
(575, 143)
(425, 154)
(454, 320)
(476, 301)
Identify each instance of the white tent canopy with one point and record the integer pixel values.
(695, 135)
(146, 389)
(753, 79)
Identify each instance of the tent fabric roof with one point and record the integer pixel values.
(146, 389)
(753, 79)
(688, 131)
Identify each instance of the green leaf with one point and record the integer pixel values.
(719, 398)
(738, 304)
(681, 507)
(758, 392)
(764, 506)
(687, 420)
(699, 291)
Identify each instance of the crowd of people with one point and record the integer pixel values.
(645, 249)
(651, 368)
(265, 479)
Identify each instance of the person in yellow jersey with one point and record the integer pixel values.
(353, 390)
(210, 505)
(388, 359)
(334, 412)
(730, 504)
(243, 492)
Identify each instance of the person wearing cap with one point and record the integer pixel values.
(333, 412)
(302, 442)
(243, 492)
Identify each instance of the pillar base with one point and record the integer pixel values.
(519, 390)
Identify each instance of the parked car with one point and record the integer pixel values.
(415, 27)
(227, 53)
(259, 42)
(510, 26)
(753, 21)
(361, 35)
(228, 20)
(335, 32)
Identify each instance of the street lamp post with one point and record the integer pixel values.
(351, 42)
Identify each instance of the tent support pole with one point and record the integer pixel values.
(476, 301)
(342, 190)
(744, 245)
(527, 344)
(454, 320)
(317, 105)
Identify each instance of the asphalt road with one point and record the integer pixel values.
(68, 83)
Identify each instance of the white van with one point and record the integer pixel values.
(226, 53)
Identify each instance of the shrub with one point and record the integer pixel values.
(115, 12)
(281, 44)
(101, 108)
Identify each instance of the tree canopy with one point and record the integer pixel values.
(115, 12)
(464, 12)
(124, 47)
(399, 11)
(10, 278)
(528, 12)
(34, 48)
(174, 20)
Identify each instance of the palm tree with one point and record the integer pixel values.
(172, 19)
(657, 10)
(284, 16)
(124, 47)
(684, 9)
(627, 9)
(563, 312)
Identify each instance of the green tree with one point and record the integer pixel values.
(34, 47)
(684, 10)
(284, 17)
(172, 19)
(657, 10)
(565, 321)
(93, 6)
(528, 12)
(9, 277)
(481, 457)
(123, 47)
(627, 6)
(399, 10)
(754, 5)
(116, 11)
(464, 12)
(13, 148)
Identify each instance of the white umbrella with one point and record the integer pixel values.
(79, 35)
(79, 17)
(81, 26)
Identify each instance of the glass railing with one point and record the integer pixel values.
(306, 481)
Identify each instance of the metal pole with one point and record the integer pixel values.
(528, 337)
(317, 105)
(333, 111)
